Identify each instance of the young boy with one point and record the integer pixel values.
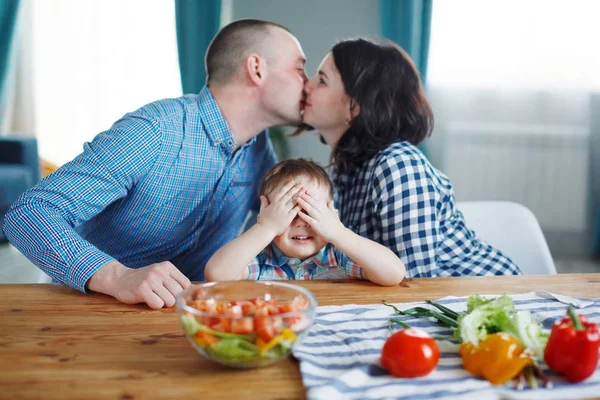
(298, 235)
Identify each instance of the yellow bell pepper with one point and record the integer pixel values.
(289, 334)
(286, 334)
(498, 358)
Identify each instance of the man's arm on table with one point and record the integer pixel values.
(41, 222)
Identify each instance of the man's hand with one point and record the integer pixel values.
(321, 216)
(156, 285)
(277, 214)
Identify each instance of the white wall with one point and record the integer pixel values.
(317, 24)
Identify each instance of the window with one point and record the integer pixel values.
(94, 61)
(511, 83)
(524, 44)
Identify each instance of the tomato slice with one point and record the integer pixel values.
(299, 303)
(272, 307)
(258, 302)
(220, 308)
(248, 316)
(261, 312)
(268, 327)
(242, 326)
(224, 325)
(208, 306)
(234, 311)
(248, 308)
(286, 308)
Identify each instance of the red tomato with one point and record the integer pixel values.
(266, 310)
(268, 327)
(286, 308)
(248, 308)
(262, 315)
(209, 321)
(261, 312)
(299, 303)
(234, 311)
(220, 308)
(409, 353)
(272, 307)
(223, 325)
(204, 305)
(242, 326)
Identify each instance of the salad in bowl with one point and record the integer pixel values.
(245, 324)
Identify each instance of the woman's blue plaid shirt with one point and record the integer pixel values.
(163, 183)
(399, 200)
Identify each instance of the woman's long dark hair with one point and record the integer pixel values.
(383, 81)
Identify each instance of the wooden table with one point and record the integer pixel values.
(57, 343)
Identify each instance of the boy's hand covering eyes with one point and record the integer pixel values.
(322, 217)
(277, 214)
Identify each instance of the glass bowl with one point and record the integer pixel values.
(246, 324)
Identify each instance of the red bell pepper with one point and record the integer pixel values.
(572, 349)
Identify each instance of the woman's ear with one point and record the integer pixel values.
(354, 109)
(256, 69)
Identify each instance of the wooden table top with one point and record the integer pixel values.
(57, 343)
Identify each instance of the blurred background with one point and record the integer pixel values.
(514, 84)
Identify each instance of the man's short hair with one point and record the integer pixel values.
(233, 44)
(288, 170)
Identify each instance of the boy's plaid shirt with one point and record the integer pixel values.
(328, 263)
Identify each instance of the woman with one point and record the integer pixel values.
(368, 104)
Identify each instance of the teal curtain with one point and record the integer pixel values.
(197, 22)
(408, 24)
(8, 20)
(597, 238)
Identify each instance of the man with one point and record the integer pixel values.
(142, 209)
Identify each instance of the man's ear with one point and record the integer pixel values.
(256, 69)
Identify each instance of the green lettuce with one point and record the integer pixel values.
(234, 349)
(487, 316)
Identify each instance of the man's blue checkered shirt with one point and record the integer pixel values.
(164, 183)
(399, 200)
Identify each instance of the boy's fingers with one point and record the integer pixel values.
(317, 205)
(309, 208)
(279, 193)
(332, 208)
(289, 195)
(264, 201)
(307, 218)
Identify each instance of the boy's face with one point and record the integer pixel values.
(300, 240)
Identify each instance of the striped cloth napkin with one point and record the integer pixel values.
(339, 358)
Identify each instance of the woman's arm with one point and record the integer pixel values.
(404, 212)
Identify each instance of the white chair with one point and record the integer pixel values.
(513, 229)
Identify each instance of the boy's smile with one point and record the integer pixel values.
(302, 239)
